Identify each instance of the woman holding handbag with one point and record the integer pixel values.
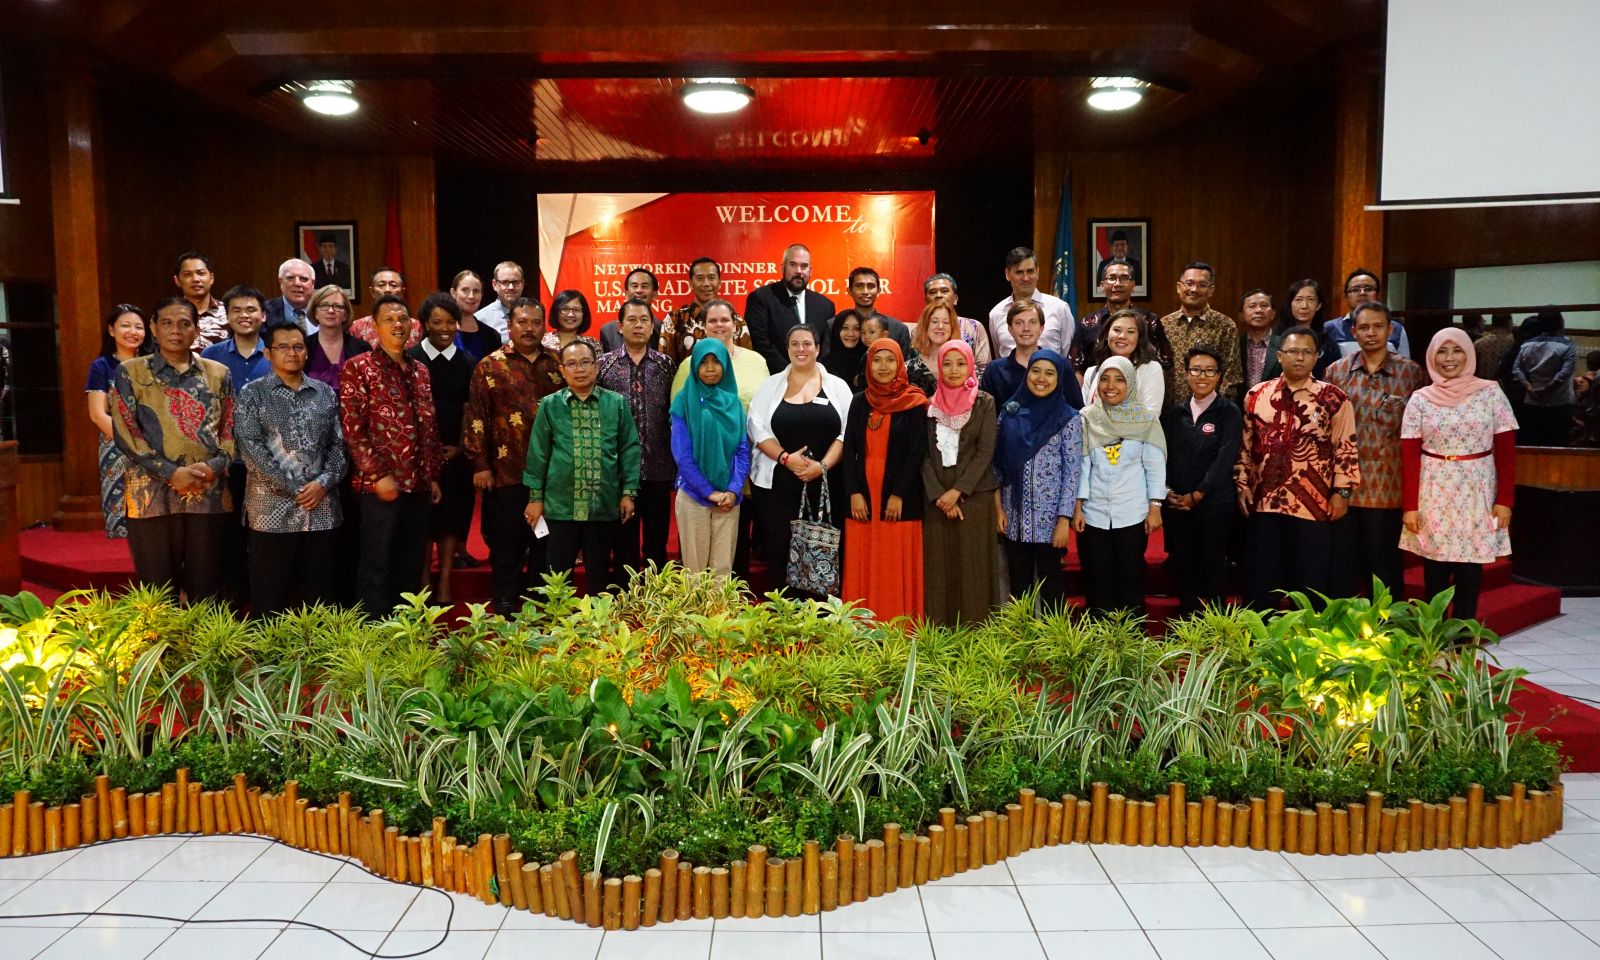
(797, 426)
(884, 440)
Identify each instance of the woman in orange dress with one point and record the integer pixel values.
(884, 444)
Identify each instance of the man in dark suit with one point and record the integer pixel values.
(771, 310)
(296, 281)
(1119, 254)
(1258, 342)
(328, 269)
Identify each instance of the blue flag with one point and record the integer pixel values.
(1066, 286)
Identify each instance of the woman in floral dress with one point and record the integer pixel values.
(1458, 457)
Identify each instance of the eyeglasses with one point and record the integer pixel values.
(1364, 288)
(1195, 284)
(1202, 371)
(577, 364)
(333, 306)
(1298, 351)
(577, 311)
(507, 283)
(289, 347)
(1113, 278)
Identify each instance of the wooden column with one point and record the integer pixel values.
(77, 198)
(1357, 232)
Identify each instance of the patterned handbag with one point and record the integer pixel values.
(814, 548)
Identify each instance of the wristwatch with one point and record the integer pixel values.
(1342, 491)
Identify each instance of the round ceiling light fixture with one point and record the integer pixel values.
(1115, 93)
(716, 95)
(333, 98)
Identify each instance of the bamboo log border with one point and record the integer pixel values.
(816, 881)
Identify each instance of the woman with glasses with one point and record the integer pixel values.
(329, 309)
(1125, 334)
(570, 319)
(126, 335)
(1202, 448)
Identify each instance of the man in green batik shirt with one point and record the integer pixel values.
(583, 468)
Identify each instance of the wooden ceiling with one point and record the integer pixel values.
(560, 87)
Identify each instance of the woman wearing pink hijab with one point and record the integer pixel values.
(960, 557)
(1458, 459)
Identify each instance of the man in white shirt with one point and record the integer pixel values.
(1022, 272)
(508, 281)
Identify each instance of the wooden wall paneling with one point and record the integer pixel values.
(26, 252)
(1569, 468)
(39, 485)
(1358, 232)
(77, 192)
(1490, 236)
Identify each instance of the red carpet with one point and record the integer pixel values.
(54, 562)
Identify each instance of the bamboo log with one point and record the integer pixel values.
(1530, 805)
(1017, 830)
(685, 890)
(1491, 825)
(793, 886)
(119, 809)
(1002, 842)
(593, 904)
(1147, 823)
(1414, 825)
(701, 884)
(669, 885)
(88, 817)
(630, 900)
(515, 876)
(1053, 820)
(1308, 831)
(52, 829)
(102, 802)
(182, 798)
(652, 898)
(755, 881)
(1163, 811)
(719, 893)
(575, 890)
(937, 836)
(1191, 823)
(947, 820)
(1274, 818)
(413, 848)
(811, 881)
(1374, 822)
(1222, 834)
(1430, 827)
(1241, 825)
(8, 825)
(875, 868)
(1099, 800)
(169, 811)
(252, 804)
(992, 852)
(138, 818)
(533, 888)
(611, 911)
(71, 828)
(1130, 823)
(908, 860)
(1357, 814)
(327, 826)
(845, 849)
(1324, 829)
(502, 871)
(394, 859)
(1025, 798)
(1507, 813)
(830, 881)
(891, 855)
(861, 872)
(1081, 823)
(1386, 830)
(1559, 806)
(1519, 793)
(1291, 830)
(430, 846)
(557, 901)
(1258, 823)
(1458, 822)
(959, 844)
(1069, 818)
(921, 860)
(1475, 815)
(1177, 792)
(1341, 832)
(974, 847)
(1114, 819)
(1208, 821)
(219, 800)
(737, 883)
(36, 827)
(775, 882)
(1040, 822)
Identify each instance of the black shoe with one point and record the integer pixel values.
(466, 561)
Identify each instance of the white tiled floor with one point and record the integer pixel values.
(1540, 902)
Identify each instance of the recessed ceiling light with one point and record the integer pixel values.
(333, 98)
(1115, 93)
(716, 95)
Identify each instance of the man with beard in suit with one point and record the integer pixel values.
(772, 310)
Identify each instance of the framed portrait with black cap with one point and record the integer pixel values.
(1124, 241)
(330, 247)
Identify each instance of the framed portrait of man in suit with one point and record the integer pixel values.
(330, 248)
(1120, 241)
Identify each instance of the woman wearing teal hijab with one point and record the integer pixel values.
(712, 451)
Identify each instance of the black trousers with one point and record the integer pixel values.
(741, 546)
(1197, 542)
(652, 515)
(1286, 553)
(516, 556)
(1113, 567)
(594, 538)
(394, 543)
(1467, 578)
(292, 569)
(347, 545)
(1037, 564)
(1366, 544)
(236, 544)
(182, 551)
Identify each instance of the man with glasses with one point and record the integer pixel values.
(288, 432)
(1378, 382)
(296, 283)
(582, 472)
(1298, 465)
(507, 282)
(1338, 335)
(644, 377)
(1202, 448)
(1116, 284)
(1196, 322)
(386, 408)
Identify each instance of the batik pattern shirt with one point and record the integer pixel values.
(387, 412)
(164, 419)
(1379, 401)
(686, 326)
(1212, 328)
(501, 401)
(648, 387)
(1048, 488)
(290, 437)
(583, 456)
(1298, 447)
(213, 326)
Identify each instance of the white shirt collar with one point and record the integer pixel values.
(1198, 406)
(449, 353)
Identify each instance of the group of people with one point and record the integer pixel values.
(279, 451)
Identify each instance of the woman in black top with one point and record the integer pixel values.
(1202, 449)
(449, 374)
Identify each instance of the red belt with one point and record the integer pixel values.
(1457, 456)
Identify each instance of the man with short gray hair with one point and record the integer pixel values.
(297, 281)
(942, 286)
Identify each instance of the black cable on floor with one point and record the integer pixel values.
(296, 923)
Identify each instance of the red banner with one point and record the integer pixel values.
(589, 242)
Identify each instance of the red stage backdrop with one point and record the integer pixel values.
(589, 242)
